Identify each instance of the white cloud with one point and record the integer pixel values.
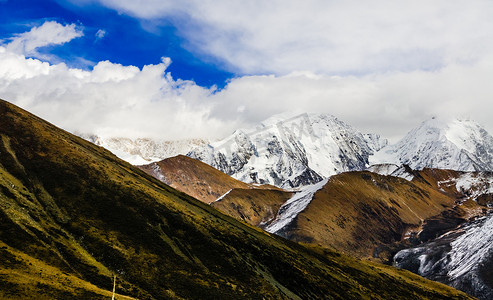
(100, 34)
(50, 33)
(327, 37)
(390, 104)
(116, 100)
(110, 100)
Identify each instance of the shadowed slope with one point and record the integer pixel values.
(78, 209)
(254, 206)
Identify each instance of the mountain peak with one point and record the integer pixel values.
(459, 144)
(291, 150)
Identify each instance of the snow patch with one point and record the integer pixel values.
(295, 205)
(476, 184)
(383, 169)
(222, 197)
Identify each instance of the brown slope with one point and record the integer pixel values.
(196, 178)
(74, 207)
(254, 206)
(358, 212)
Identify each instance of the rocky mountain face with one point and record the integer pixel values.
(461, 145)
(303, 150)
(143, 151)
(73, 215)
(291, 151)
(463, 256)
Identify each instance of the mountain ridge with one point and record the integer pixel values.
(292, 152)
(460, 144)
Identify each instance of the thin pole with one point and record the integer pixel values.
(114, 286)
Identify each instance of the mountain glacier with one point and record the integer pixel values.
(461, 145)
(291, 151)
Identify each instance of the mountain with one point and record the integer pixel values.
(293, 151)
(362, 213)
(460, 144)
(252, 203)
(142, 151)
(400, 203)
(197, 179)
(72, 215)
(461, 257)
(288, 151)
(366, 214)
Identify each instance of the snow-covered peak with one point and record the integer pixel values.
(144, 150)
(465, 134)
(291, 151)
(459, 144)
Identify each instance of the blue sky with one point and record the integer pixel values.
(193, 68)
(126, 40)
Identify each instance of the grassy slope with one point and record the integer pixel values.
(356, 212)
(254, 206)
(80, 215)
(196, 178)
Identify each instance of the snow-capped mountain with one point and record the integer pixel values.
(142, 151)
(461, 145)
(289, 151)
(293, 151)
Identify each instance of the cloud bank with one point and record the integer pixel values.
(326, 37)
(110, 100)
(382, 68)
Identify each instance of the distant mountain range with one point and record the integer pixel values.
(293, 151)
(141, 151)
(303, 150)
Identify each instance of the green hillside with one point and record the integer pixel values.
(72, 215)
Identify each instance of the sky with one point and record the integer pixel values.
(194, 68)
